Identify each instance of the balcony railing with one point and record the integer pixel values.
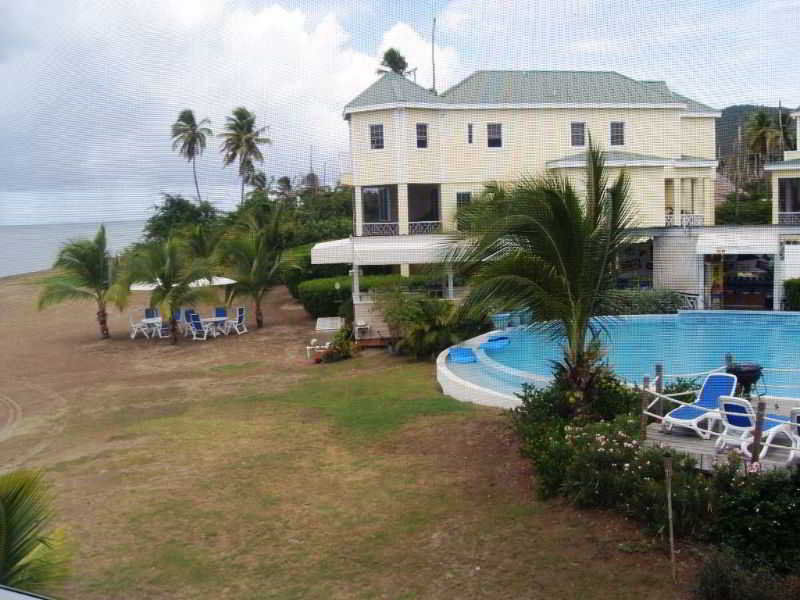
(383, 228)
(424, 227)
(789, 218)
(686, 221)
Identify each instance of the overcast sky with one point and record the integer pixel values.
(92, 86)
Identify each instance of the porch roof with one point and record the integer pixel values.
(616, 158)
(383, 250)
(783, 165)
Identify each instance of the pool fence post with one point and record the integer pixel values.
(759, 429)
(659, 381)
(643, 417)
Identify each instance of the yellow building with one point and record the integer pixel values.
(785, 180)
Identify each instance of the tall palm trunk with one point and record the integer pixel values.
(196, 187)
(173, 328)
(259, 314)
(102, 320)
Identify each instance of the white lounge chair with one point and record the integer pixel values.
(239, 325)
(793, 430)
(739, 422)
(138, 327)
(705, 408)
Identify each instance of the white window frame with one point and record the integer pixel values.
(611, 133)
(583, 134)
(470, 133)
(373, 138)
(426, 137)
(458, 200)
(488, 137)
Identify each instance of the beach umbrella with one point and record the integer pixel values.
(149, 287)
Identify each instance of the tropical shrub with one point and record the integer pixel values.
(176, 213)
(645, 302)
(341, 347)
(321, 297)
(31, 557)
(724, 577)
(791, 290)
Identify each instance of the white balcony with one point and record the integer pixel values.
(789, 218)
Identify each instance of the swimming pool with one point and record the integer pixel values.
(685, 343)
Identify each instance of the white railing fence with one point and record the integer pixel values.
(692, 220)
(382, 228)
(421, 227)
(789, 218)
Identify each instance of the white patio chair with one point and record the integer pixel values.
(138, 327)
(739, 421)
(793, 430)
(200, 330)
(315, 346)
(239, 325)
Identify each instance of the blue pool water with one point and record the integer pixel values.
(689, 342)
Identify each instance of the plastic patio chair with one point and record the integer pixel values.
(239, 324)
(705, 408)
(793, 430)
(199, 329)
(138, 327)
(739, 422)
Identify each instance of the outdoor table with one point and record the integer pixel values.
(217, 321)
(152, 323)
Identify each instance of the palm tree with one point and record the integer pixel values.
(84, 273)
(761, 133)
(189, 138)
(394, 61)
(553, 252)
(30, 559)
(242, 141)
(201, 240)
(170, 266)
(252, 255)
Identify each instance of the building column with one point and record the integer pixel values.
(677, 200)
(358, 211)
(405, 270)
(776, 196)
(450, 294)
(402, 208)
(708, 201)
(356, 283)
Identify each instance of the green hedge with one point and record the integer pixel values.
(321, 298)
(604, 465)
(297, 268)
(791, 290)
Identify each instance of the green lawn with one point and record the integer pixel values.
(356, 480)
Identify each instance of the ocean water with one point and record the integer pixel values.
(27, 248)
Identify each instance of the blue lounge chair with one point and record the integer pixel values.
(150, 313)
(739, 422)
(187, 321)
(705, 408)
(220, 311)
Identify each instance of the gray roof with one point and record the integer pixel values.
(392, 88)
(534, 87)
(528, 87)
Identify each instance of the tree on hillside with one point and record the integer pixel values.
(242, 141)
(552, 251)
(189, 139)
(31, 558)
(762, 134)
(176, 213)
(394, 62)
(84, 272)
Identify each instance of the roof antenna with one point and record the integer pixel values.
(433, 55)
